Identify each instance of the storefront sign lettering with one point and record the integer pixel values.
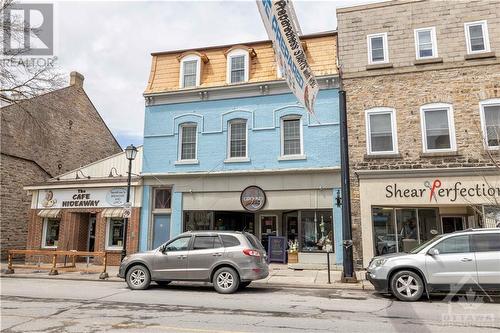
(253, 198)
(82, 198)
(436, 189)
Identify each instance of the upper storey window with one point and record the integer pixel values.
(187, 142)
(190, 71)
(490, 120)
(438, 129)
(425, 43)
(477, 37)
(291, 136)
(237, 66)
(377, 48)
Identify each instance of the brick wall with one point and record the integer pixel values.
(41, 138)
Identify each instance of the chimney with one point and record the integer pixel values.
(76, 79)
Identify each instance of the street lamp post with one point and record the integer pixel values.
(130, 153)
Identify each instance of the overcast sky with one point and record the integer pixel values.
(110, 44)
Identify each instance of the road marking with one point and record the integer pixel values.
(198, 330)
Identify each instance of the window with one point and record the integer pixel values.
(179, 244)
(206, 242)
(490, 121)
(486, 242)
(425, 43)
(457, 244)
(317, 233)
(377, 48)
(188, 142)
(229, 240)
(237, 139)
(438, 131)
(381, 132)
(476, 34)
(291, 136)
(162, 198)
(237, 66)
(50, 232)
(114, 237)
(190, 71)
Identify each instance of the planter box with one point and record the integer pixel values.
(293, 257)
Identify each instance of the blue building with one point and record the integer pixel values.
(227, 147)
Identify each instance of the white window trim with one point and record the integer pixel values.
(190, 57)
(300, 156)
(235, 53)
(381, 110)
(482, 104)
(451, 126)
(107, 246)
(179, 155)
(384, 43)
(44, 234)
(433, 41)
(228, 153)
(484, 25)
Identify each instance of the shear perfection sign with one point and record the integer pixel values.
(290, 56)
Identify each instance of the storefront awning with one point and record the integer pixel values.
(112, 212)
(51, 213)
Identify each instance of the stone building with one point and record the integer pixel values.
(40, 138)
(229, 147)
(422, 80)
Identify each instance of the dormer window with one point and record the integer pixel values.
(190, 71)
(238, 62)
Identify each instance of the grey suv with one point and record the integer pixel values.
(229, 259)
(449, 262)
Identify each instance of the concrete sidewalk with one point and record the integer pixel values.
(279, 276)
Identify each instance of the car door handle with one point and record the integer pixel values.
(218, 254)
(465, 259)
(182, 257)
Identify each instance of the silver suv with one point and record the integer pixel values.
(229, 259)
(450, 262)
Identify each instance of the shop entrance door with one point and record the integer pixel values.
(291, 220)
(161, 229)
(268, 227)
(91, 238)
(452, 223)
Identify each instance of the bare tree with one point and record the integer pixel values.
(22, 77)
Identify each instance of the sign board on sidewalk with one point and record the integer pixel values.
(290, 56)
(277, 249)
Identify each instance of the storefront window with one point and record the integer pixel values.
(317, 234)
(51, 232)
(115, 233)
(198, 220)
(406, 223)
(385, 238)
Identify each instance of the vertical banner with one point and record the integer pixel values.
(290, 57)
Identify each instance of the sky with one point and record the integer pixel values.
(110, 43)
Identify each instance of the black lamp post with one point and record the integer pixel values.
(130, 153)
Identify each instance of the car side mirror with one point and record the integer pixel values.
(433, 252)
(163, 248)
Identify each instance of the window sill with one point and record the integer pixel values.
(481, 55)
(292, 157)
(49, 247)
(381, 156)
(186, 162)
(439, 154)
(426, 61)
(114, 248)
(379, 66)
(237, 160)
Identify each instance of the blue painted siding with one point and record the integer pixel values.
(337, 229)
(176, 226)
(263, 114)
(144, 223)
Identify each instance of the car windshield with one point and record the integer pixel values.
(421, 246)
(254, 241)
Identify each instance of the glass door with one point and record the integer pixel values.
(452, 223)
(91, 237)
(268, 227)
(291, 220)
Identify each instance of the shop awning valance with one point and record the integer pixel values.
(112, 212)
(51, 213)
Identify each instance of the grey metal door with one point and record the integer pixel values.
(455, 263)
(205, 252)
(171, 264)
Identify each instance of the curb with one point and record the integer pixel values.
(360, 287)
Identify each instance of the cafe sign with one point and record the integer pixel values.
(253, 198)
(82, 198)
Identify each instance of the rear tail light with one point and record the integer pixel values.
(251, 253)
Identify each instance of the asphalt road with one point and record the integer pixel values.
(41, 305)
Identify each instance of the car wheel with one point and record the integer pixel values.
(407, 286)
(226, 280)
(162, 283)
(138, 277)
(244, 284)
